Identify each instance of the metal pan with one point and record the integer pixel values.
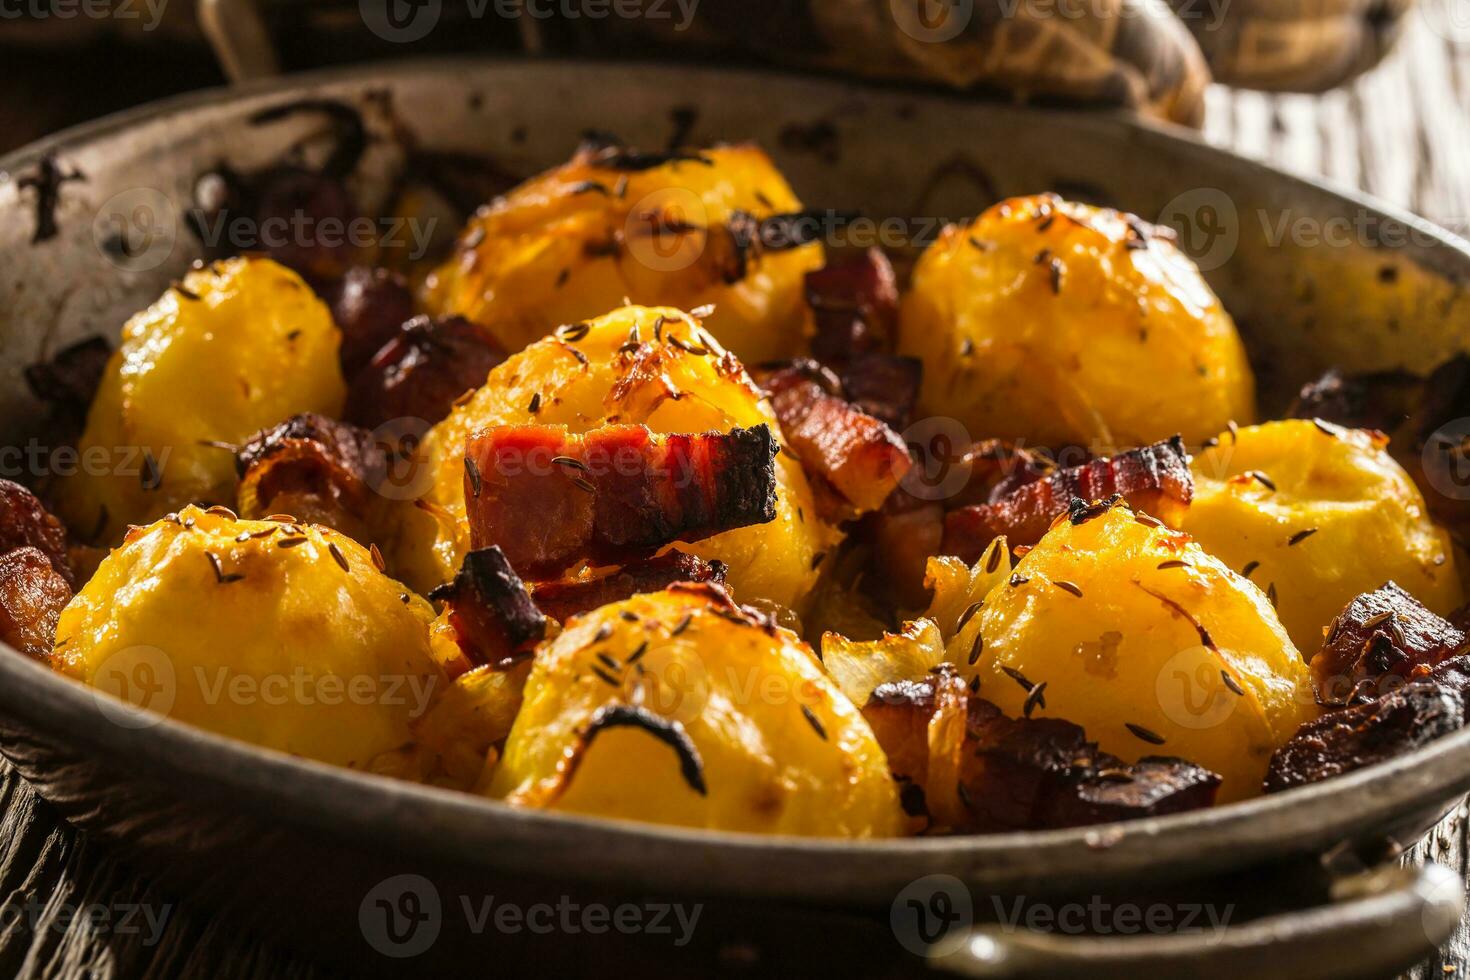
(1388, 293)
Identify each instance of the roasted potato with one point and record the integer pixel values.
(1039, 320)
(237, 346)
(279, 634)
(676, 708)
(1316, 514)
(1131, 630)
(657, 367)
(677, 231)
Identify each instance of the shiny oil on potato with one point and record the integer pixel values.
(573, 242)
(1316, 514)
(675, 708)
(237, 346)
(282, 635)
(1150, 644)
(1063, 324)
(657, 367)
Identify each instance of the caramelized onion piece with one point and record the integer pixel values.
(32, 595)
(494, 618)
(564, 599)
(551, 499)
(1021, 773)
(370, 306)
(1154, 479)
(26, 523)
(319, 470)
(422, 371)
(857, 455)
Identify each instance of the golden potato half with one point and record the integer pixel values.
(675, 708)
(237, 346)
(1149, 643)
(283, 635)
(573, 242)
(1064, 324)
(656, 367)
(1317, 514)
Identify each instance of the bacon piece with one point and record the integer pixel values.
(494, 618)
(1385, 633)
(26, 523)
(854, 302)
(32, 595)
(563, 600)
(853, 452)
(369, 306)
(69, 380)
(318, 469)
(883, 385)
(422, 371)
(1023, 773)
(1343, 741)
(1154, 479)
(551, 499)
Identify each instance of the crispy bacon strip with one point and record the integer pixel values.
(855, 305)
(1154, 479)
(494, 618)
(32, 595)
(319, 470)
(26, 523)
(551, 499)
(856, 454)
(1382, 634)
(421, 371)
(1020, 773)
(562, 600)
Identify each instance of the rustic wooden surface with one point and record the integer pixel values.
(1402, 133)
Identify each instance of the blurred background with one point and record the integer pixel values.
(1388, 81)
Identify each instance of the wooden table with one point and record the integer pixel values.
(1402, 133)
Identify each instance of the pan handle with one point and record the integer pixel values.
(237, 32)
(1378, 922)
